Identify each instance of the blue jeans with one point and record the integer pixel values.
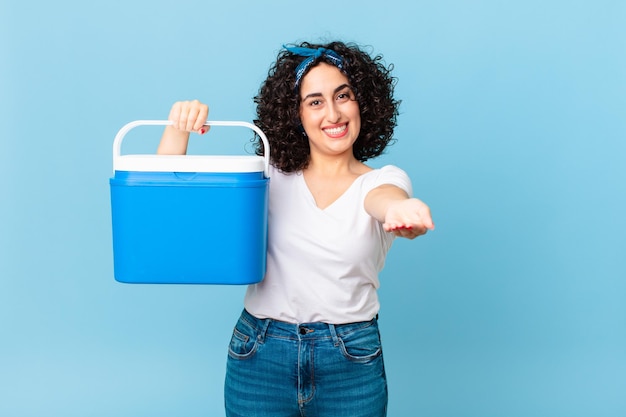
(278, 369)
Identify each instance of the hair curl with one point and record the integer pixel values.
(278, 106)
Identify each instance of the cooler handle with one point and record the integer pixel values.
(117, 142)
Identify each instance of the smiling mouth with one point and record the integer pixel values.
(336, 131)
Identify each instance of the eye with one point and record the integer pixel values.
(345, 95)
(314, 102)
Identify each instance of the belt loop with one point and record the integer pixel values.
(333, 334)
(265, 324)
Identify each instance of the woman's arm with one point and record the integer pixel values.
(186, 117)
(399, 214)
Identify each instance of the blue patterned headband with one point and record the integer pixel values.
(312, 55)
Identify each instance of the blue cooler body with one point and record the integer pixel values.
(189, 219)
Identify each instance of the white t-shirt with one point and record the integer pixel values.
(322, 265)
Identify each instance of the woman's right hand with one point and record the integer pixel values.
(189, 116)
(186, 117)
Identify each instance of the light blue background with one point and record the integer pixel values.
(513, 129)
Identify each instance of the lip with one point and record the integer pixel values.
(328, 130)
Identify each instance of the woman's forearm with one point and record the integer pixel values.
(173, 142)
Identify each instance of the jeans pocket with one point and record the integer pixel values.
(243, 343)
(362, 345)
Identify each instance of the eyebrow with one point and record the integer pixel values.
(335, 91)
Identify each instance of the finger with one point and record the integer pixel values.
(196, 117)
(418, 231)
(406, 230)
(406, 233)
(390, 227)
(191, 117)
(427, 218)
(183, 115)
(395, 227)
(201, 118)
(174, 115)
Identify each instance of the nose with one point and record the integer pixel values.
(332, 112)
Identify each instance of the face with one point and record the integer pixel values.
(328, 111)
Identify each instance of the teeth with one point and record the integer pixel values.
(336, 130)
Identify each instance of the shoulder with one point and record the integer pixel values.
(281, 180)
(389, 174)
(277, 172)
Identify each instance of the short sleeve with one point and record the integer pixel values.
(391, 174)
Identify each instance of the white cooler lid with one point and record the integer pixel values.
(189, 163)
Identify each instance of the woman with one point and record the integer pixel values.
(307, 342)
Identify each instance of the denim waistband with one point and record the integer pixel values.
(316, 330)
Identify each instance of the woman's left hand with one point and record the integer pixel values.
(408, 218)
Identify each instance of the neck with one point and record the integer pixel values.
(335, 166)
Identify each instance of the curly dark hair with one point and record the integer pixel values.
(278, 104)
